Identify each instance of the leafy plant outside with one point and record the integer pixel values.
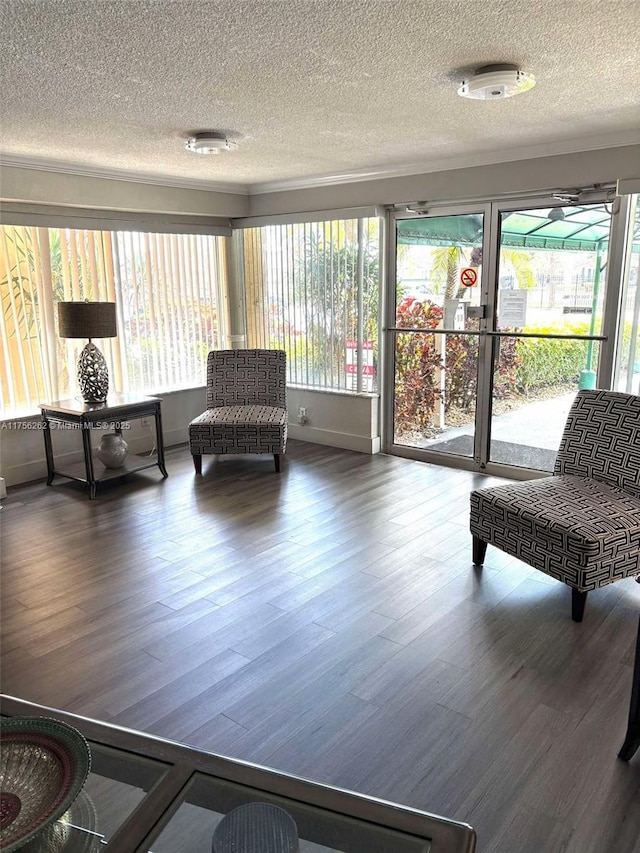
(523, 365)
(550, 361)
(417, 364)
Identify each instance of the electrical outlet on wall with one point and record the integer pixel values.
(302, 415)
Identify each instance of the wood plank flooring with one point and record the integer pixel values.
(328, 622)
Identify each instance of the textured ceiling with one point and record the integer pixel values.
(309, 88)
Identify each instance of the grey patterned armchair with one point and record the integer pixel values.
(581, 525)
(246, 405)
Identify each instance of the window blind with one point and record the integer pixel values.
(166, 288)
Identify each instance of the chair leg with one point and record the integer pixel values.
(197, 462)
(276, 459)
(479, 551)
(632, 738)
(631, 743)
(578, 601)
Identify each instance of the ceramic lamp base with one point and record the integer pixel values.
(93, 376)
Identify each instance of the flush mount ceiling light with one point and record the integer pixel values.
(493, 82)
(209, 142)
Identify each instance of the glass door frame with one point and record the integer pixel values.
(389, 332)
(488, 334)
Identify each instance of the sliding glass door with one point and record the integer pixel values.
(547, 326)
(496, 319)
(437, 308)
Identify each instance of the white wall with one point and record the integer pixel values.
(337, 419)
(37, 186)
(542, 173)
(340, 420)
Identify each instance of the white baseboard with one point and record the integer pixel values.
(360, 443)
(172, 437)
(25, 472)
(36, 469)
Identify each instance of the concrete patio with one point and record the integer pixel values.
(527, 436)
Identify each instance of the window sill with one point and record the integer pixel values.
(31, 415)
(28, 416)
(336, 392)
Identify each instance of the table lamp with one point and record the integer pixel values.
(89, 320)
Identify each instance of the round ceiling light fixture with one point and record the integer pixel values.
(556, 214)
(209, 142)
(494, 82)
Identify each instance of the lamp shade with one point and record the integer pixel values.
(87, 319)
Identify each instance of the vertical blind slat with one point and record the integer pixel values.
(36, 376)
(10, 391)
(16, 296)
(307, 276)
(44, 317)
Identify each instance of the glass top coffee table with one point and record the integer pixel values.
(149, 795)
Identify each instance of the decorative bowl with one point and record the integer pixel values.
(43, 765)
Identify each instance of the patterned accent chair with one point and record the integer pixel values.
(246, 405)
(582, 524)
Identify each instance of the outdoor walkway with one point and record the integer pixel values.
(527, 436)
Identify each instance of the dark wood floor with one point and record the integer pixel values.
(328, 622)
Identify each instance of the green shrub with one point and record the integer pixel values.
(522, 365)
(462, 369)
(416, 365)
(551, 361)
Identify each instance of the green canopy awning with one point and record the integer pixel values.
(462, 230)
(583, 228)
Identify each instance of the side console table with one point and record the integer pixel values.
(118, 409)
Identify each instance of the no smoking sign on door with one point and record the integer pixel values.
(468, 276)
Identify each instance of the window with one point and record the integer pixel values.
(312, 289)
(166, 289)
(627, 371)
